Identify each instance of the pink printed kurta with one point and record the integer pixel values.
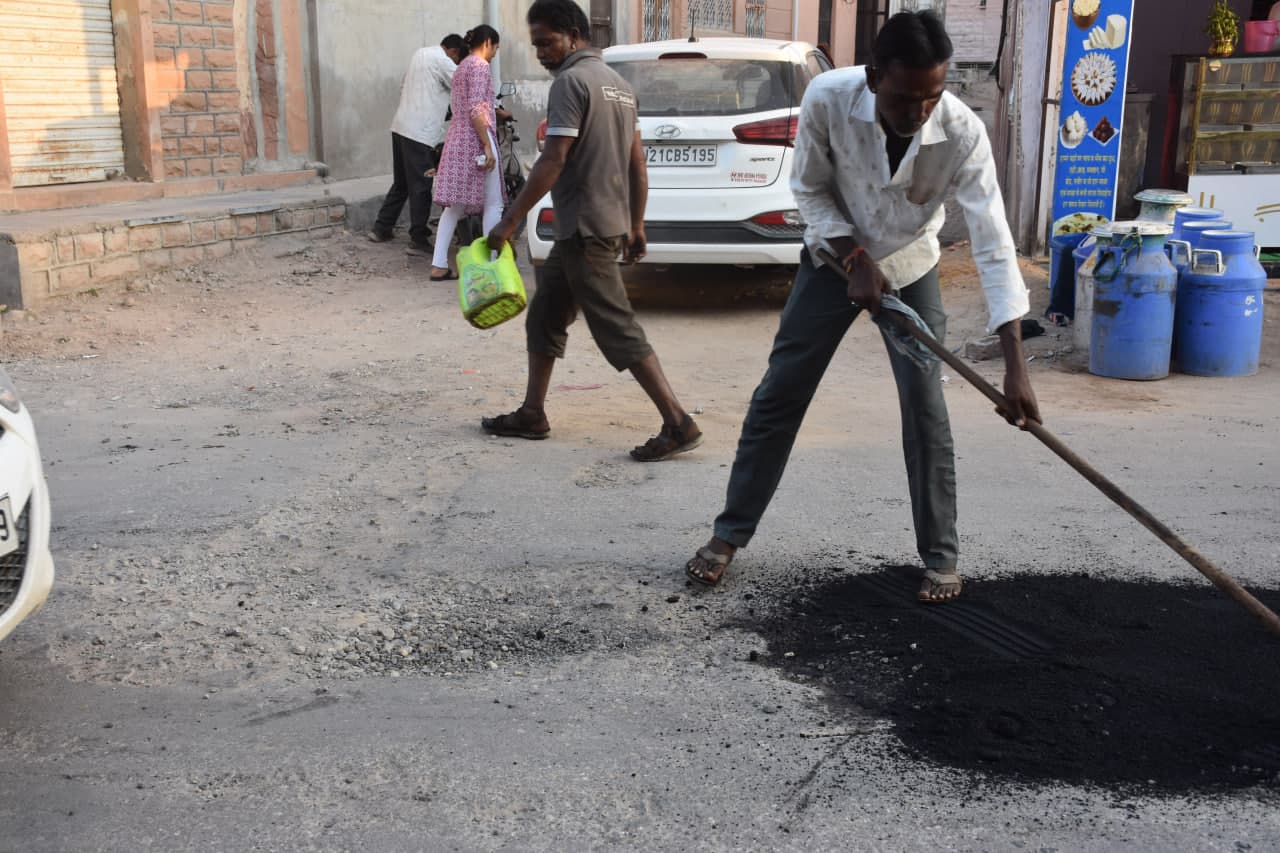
(458, 179)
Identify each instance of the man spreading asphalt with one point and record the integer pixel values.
(416, 132)
(593, 165)
(877, 150)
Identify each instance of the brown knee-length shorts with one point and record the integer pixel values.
(582, 273)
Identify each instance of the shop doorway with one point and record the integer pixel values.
(61, 101)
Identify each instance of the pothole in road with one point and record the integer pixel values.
(464, 635)
(1049, 677)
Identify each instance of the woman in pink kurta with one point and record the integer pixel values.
(467, 179)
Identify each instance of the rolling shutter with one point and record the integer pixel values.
(61, 102)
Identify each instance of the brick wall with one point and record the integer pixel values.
(195, 48)
(76, 259)
(974, 28)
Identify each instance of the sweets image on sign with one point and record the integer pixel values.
(1107, 39)
(1074, 130)
(1093, 79)
(1078, 223)
(1103, 131)
(1084, 13)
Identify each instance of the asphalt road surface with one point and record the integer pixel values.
(304, 604)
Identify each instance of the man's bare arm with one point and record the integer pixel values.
(638, 174)
(1017, 383)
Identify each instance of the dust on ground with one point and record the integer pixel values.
(216, 556)
(220, 373)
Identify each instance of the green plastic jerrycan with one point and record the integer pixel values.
(490, 290)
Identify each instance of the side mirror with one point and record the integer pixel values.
(507, 89)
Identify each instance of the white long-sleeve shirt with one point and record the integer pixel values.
(424, 96)
(843, 188)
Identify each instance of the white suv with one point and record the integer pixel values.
(26, 566)
(718, 120)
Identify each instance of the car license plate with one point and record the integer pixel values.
(8, 528)
(680, 155)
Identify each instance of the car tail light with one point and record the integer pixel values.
(546, 226)
(780, 218)
(542, 134)
(772, 131)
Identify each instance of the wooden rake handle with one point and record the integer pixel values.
(1202, 564)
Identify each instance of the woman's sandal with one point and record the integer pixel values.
(934, 581)
(450, 276)
(716, 562)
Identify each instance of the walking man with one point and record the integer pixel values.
(878, 149)
(593, 165)
(416, 133)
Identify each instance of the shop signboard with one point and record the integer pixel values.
(1249, 202)
(1095, 61)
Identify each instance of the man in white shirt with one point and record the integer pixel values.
(416, 132)
(877, 150)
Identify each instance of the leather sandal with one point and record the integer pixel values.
(670, 441)
(716, 563)
(522, 423)
(935, 580)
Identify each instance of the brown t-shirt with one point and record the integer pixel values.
(592, 103)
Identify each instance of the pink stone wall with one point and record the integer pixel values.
(195, 50)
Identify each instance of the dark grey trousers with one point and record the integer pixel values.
(410, 161)
(815, 319)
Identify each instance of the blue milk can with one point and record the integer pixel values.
(1081, 253)
(1191, 214)
(1179, 249)
(1082, 318)
(1133, 298)
(1218, 327)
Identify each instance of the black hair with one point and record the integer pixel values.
(561, 16)
(453, 41)
(478, 36)
(913, 39)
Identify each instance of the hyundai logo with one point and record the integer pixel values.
(666, 131)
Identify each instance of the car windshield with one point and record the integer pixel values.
(697, 86)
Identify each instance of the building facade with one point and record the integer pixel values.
(115, 100)
(1030, 83)
(831, 22)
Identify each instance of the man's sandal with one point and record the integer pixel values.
(670, 441)
(518, 424)
(935, 582)
(716, 563)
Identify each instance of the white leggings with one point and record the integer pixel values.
(453, 213)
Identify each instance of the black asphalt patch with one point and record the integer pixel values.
(1065, 678)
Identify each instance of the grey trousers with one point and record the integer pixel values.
(815, 319)
(410, 161)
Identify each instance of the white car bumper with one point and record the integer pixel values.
(26, 572)
(703, 227)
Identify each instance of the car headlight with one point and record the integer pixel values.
(9, 394)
